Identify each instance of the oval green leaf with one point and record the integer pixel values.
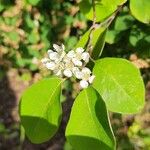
(84, 39)
(98, 41)
(140, 9)
(88, 127)
(103, 8)
(120, 84)
(40, 109)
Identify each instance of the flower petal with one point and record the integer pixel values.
(86, 70)
(50, 51)
(84, 84)
(68, 73)
(79, 50)
(71, 54)
(54, 56)
(77, 62)
(45, 60)
(57, 48)
(63, 47)
(91, 78)
(50, 65)
(85, 56)
(77, 73)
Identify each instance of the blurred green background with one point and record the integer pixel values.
(28, 28)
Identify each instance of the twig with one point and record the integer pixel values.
(105, 24)
(89, 46)
(109, 20)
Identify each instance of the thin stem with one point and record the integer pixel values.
(105, 24)
(89, 46)
(109, 20)
(92, 59)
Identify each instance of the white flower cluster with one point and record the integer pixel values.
(69, 64)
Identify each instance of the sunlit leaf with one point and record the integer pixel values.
(40, 109)
(88, 127)
(103, 8)
(120, 84)
(140, 9)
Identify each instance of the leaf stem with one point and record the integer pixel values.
(106, 23)
(89, 46)
(109, 20)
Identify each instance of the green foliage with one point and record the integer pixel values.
(123, 22)
(40, 109)
(84, 39)
(88, 127)
(33, 2)
(2, 128)
(137, 133)
(140, 10)
(120, 84)
(98, 42)
(28, 28)
(103, 8)
(126, 34)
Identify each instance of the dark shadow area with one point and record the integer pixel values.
(9, 137)
(120, 130)
(102, 116)
(80, 143)
(35, 126)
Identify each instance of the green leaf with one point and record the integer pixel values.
(33, 2)
(2, 7)
(13, 36)
(40, 109)
(98, 42)
(83, 40)
(88, 127)
(103, 8)
(71, 42)
(140, 9)
(33, 37)
(120, 84)
(112, 36)
(124, 22)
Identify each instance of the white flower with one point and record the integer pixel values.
(91, 78)
(84, 84)
(45, 60)
(58, 54)
(70, 64)
(77, 73)
(59, 68)
(85, 56)
(55, 60)
(78, 55)
(71, 54)
(50, 65)
(86, 77)
(68, 73)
